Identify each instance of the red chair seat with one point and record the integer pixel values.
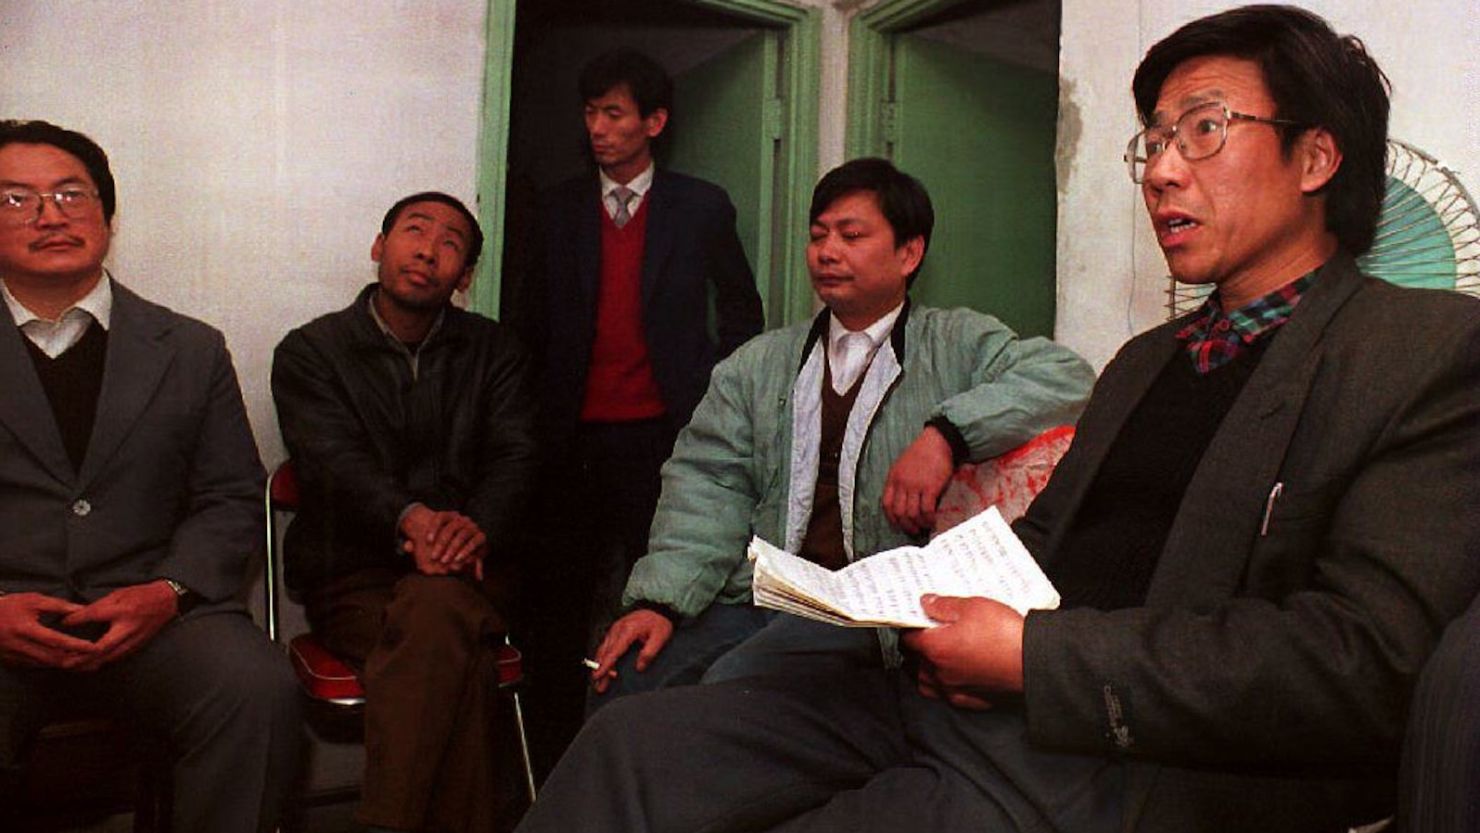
(323, 675)
(509, 665)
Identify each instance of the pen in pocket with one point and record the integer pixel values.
(1274, 495)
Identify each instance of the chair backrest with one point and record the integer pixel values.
(282, 487)
(1008, 481)
(281, 496)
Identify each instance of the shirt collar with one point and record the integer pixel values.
(638, 186)
(385, 328)
(98, 303)
(876, 332)
(1252, 320)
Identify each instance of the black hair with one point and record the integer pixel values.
(903, 201)
(475, 245)
(645, 79)
(92, 157)
(1317, 78)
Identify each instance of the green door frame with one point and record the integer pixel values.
(869, 126)
(493, 143)
(796, 169)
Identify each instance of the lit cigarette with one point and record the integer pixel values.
(593, 665)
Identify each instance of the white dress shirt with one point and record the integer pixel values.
(849, 352)
(638, 186)
(55, 337)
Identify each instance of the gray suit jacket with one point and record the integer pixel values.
(171, 483)
(1265, 681)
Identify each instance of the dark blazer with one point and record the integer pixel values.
(170, 487)
(699, 300)
(366, 442)
(1264, 683)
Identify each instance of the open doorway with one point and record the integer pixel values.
(738, 120)
(964, 95)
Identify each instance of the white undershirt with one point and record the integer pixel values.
(850, 352)
(55, 337)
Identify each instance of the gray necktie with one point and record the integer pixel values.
(623, 195)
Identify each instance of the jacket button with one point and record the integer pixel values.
(81, 508)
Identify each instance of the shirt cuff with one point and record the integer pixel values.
(661, 609)
(399, 538)
(960, 452)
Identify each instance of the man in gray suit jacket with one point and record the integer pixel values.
(1263, 525)
(129, 489)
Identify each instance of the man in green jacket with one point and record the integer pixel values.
(833, 439)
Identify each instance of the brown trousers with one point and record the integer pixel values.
(425, 646)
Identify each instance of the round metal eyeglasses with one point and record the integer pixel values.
(1198, 133)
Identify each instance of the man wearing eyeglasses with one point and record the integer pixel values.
(129, 506)
(1264, 522)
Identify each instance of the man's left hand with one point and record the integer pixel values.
(974, 653)
(444, 542)
(133, 614)
(916, 481)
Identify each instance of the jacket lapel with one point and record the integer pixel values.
(662, 231)
(1115, 399)
(588, 210)
(136, 362)
(1208, 547)
(24, 409)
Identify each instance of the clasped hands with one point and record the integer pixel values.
(443, 542)
(132, 616)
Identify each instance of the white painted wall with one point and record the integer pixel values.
(1111, 275)
(256, 144)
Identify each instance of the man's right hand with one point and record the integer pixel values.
(649, 627)
(24, 640)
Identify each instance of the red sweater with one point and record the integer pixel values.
(619, 380)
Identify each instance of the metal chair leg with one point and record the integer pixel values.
(524, 747)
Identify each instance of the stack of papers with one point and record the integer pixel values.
(980, 557)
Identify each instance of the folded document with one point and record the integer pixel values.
(979, 557)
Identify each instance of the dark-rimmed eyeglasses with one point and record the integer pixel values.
(1199, 133)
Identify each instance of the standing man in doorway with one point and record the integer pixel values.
(646, 286)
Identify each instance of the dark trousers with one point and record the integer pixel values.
(1439, 787)
(426, 646)
(596, 507)
(855, 751)
(727, 642)
(212, 686)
